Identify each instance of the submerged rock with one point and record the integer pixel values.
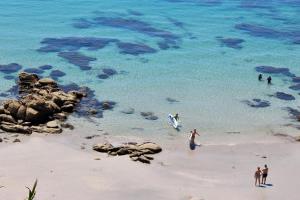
(284, 96)
(257, 103)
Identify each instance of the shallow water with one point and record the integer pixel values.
(202, 53)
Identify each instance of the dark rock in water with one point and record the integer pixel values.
(57, 73)
(103, 76)
(109, 71)
(294, 113)
(296, 79)
(295, 87)
(274, 70)
(77, 59)
(234, 43)
(171, 100)
(74, 43)
(284, 96)
(257, 103)
(10, 68)
(149, 115)
(134, 49)
(34, 70)
(45, 67)
(108, 105)
(9, 77)
(128, 111)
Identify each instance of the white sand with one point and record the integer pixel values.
(211, 172)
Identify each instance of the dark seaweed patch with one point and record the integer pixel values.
(130, 24)
(55, 74)
(134, 48)
(199, 2)
(45, 67)
(295, 87)
(74, 43)
(9, 77)
(234, 43)
(257, 103)
(149, 115)
(103, 76)
(265, 32)
(77, 59)
(294, 113)
(274, 70)
(109, 71)
(134, 12)
(284, 96)
(34, 70)
(10, 68)
(171, 100)
(296, 79)
(82, 23)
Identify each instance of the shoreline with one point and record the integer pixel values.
(66, 170)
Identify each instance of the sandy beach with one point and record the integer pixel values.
(67, 168)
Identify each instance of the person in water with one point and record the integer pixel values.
(264, 174)
(257, 176)
(269, 80)
(176, 117)
(260, 77)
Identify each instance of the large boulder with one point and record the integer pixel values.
(150, 146)
(7, 118)
(21, 114)
(15, 128)
(32, 115)
(104, 148)
(13, 107)
(47, 81)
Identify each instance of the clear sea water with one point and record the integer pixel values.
(208, 79)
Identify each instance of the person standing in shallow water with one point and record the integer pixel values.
(260, 77)
(257, 176)
(269, 80)
(264, 174)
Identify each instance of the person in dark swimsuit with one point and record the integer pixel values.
(257, 176)
(260, 77)
(269, 80)
(192, 139)
(264, 174)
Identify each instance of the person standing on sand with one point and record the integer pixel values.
(192, 137)
(257, 176)
(264, 174)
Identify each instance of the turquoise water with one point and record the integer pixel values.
(208, 78)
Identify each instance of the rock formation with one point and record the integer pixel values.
(41, 106)
(137, 152)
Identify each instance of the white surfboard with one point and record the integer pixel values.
(173, 121)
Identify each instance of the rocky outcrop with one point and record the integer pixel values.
(41, 106)
(137, 152)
